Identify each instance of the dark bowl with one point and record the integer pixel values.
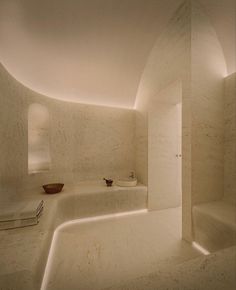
(53, 187)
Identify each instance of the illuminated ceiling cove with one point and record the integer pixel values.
(93, 51)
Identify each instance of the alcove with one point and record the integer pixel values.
(38, 139)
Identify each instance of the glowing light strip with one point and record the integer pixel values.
(78, 221)
(49, 262)
(200, 248)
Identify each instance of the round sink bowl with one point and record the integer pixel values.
(128, 182)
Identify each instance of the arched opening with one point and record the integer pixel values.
(38, 139)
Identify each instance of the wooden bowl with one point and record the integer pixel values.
(53, 187)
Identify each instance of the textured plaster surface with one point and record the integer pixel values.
(169, 62)
(230, 139)
(86, 142)
(215, 222)
(188, 51)
(207, 72)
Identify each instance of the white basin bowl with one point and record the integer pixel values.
(127, 182)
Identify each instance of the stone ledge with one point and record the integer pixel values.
(25, 250)
(215, 225)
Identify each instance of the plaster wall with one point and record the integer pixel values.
(230, 139)
(207, 105)
(141, 140)
(188, 51)
(86, 142)
(169, 62)
(38, 138)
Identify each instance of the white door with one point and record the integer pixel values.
(164, 152)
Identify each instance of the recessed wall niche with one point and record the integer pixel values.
(39, 159)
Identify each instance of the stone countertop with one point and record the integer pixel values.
(24, 251)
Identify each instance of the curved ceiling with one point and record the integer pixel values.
(93, 51)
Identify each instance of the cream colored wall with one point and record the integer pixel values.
(141, 140)
(165, 65)
(189, 51)
(207, 72)
(39, 158)
(86, 142)
(230, 139)
(168, 62)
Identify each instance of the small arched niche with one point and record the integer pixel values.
(39, 159)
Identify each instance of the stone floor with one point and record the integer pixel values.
(216, 271)
(111, 253)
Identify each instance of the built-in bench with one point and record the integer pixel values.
(24, 251)
(214, 225)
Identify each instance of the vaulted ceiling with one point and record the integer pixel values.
(93, 51)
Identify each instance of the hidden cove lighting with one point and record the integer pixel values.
(131, 105)
(74, 222)
(200, 249)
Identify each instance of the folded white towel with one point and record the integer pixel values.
(20, 223)
(20, 210)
